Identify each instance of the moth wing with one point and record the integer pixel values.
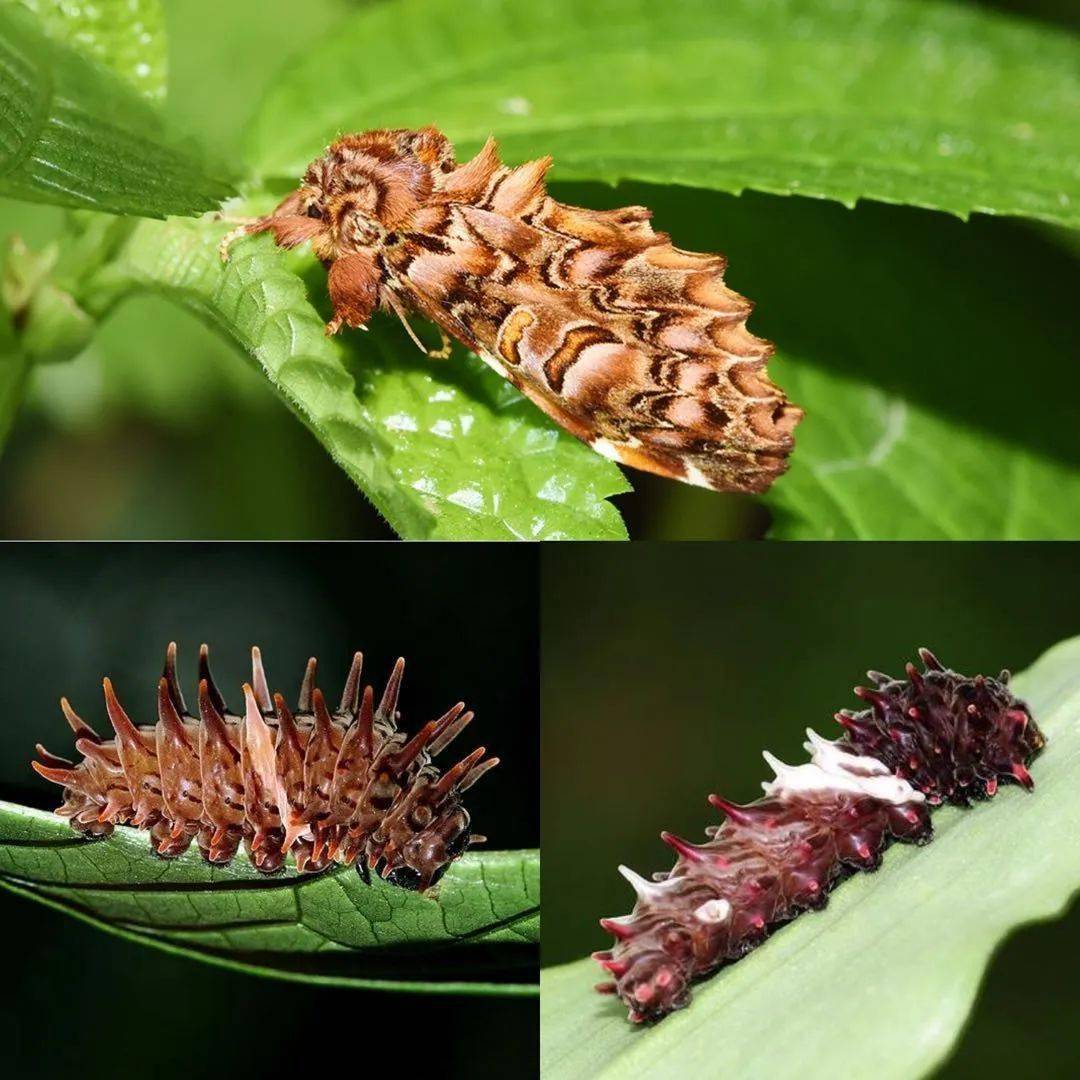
(631, 344)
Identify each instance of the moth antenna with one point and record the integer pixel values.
(477, 772)
(246, 227)
(388, 705)
(395, 306)
(303, 702)
(453, 729)
(168, 715)
(169, 674)
(215, 723)
(81, 728)
(350, 696)
(258, 682)
(205, 677)
(53, 761)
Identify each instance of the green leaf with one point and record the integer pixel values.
(444, 449)
(477, 934)
(127, 36)
(936, 105)
(77, 135)
(875, 465)
(915, 938)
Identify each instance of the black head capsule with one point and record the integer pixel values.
(404, 877)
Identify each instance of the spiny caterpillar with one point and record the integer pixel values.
(344, 787)
(937, 737)
(634, 346)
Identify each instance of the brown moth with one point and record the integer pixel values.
(633, 345)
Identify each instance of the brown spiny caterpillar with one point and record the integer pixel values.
(344, 787)
(633, 345)
(936, 737)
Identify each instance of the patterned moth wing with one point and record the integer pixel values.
(345, 786)
(633, 345)
(936, 737)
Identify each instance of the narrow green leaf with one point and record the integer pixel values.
(937, 105)
(915, 938)
(444, 449)
(125, 35)
(75, 134)
(477, 934)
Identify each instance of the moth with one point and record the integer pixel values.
(345, 786)
(633, 345)
(935, 737)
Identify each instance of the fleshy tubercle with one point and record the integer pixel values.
(935, 737)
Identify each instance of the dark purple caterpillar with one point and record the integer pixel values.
(939, 737)
(344, 787)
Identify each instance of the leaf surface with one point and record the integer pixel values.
(915, 938)
(476, 935)
(875, 465)
(75, 134)
(127, 36)
(936, 105)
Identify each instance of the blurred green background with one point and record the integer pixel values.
(89, 1004)
(161, 430)
(668, 668)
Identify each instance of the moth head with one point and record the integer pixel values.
(360, 191)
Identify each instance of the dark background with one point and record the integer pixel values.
(668, 668)
(85, 1003)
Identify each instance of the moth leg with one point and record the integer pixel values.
(442, 353)
(354, 289)
(394, 305)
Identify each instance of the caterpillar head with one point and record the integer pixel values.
(654, 986)
(423, 859)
